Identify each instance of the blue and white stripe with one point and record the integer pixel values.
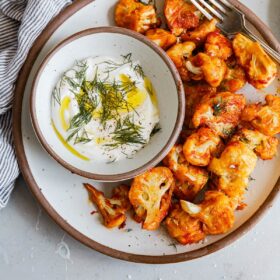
(21, 21)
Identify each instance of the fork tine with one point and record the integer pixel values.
(211, 9)
(219, 6)
(202, 10)
(226, 3)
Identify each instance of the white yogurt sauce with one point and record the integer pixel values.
(104, 108)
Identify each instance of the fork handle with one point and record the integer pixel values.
(274, 54)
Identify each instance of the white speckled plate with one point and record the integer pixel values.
(62, 194)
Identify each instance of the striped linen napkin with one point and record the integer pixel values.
(21, 21)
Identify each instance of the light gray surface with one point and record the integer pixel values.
(32, 246)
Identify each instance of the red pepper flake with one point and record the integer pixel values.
(122, 225)
(241, 206)
(93, 212)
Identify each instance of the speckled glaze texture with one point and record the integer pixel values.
(48, 255)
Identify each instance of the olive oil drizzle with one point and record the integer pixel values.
(66, 145)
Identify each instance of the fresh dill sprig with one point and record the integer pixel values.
(139, 71)
(56, 93)
(82, 138)
(156, 129)
(219, 107)
(113, 97)
(56, 96)
(79, 76)
(87, 105)
(112, 65)
(126, 133)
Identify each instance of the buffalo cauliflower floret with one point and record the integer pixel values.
(185, 190)
(216, 212)
(112, 209)
(260, 68)
(265, 118)
(180, 16)
(235, 77)
(232, 170)
(161, 37)
(195, 176)
(135, 15)
(218, 45)
(200, 146)
(150, 195)
(199, 35)
(220, 112)
(264, 146)
(179, 53)
(211, 69)
(193, 94)
(181, 226)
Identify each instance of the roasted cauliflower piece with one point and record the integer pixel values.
(179, 53)
(211, 69)
(134, 15)
(161, 37)
(218, 45)
(180, 16)
(200, 146)
(194, 93)
(264, 118)
(264, 146)
(111, 209)
(260, 68)
(220, 112)
(198, 36)
(181, 226)
(230, 172)
(195, 176)
(185, 190)
(235, 78)
(216, 212)
(150, 195)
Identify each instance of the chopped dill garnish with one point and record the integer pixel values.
(139, 71)
(156, 129)
(56, 95)
(219, 107)
(112, 65)
(173, 245)
(87, 105)
(79, 76)
(126, 133)
(83, 138)
(113, 97)
(251, 178)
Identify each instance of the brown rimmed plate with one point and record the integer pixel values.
(59, 191)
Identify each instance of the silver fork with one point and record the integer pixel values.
(231, 21)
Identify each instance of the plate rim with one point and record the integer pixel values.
(177, 125)
(35, 189)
